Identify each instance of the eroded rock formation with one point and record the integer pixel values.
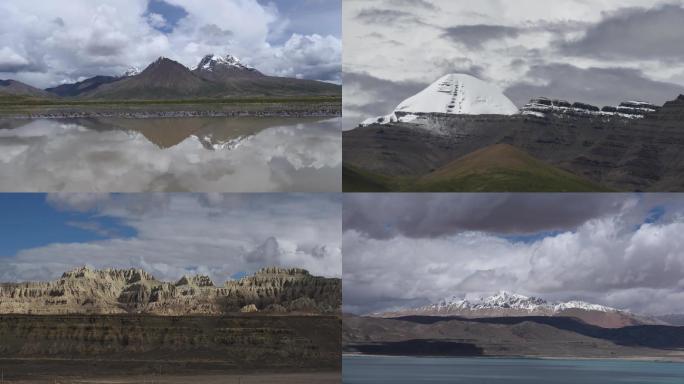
(116, 291)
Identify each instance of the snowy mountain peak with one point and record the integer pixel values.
(504, 299)
(211, 62)
(131, 71)
(458, 93)
(455, 93)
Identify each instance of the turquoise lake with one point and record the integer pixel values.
(398, 370)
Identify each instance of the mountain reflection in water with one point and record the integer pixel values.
(174, 154)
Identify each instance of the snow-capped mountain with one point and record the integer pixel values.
(541, 106)
(505, 304)
(511, 301)
(215, 63)
(459, 94)
(131, 71)
(455, 93)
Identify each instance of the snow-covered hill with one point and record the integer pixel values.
(459, 94)
(455, 93)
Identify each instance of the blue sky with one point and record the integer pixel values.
(28, 221)
(305, 16)
(173, 14)
(225, 236)
(310, 16)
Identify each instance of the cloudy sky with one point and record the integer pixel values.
(597, 51)
(48, 42)
(621, 250)
(169, 235)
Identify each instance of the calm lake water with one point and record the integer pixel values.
(174, 154)
(398, 370)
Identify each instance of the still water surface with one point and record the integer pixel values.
(174, 154)
(413, 370)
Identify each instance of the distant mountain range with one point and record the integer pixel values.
(118, 291)
(213, 77)
(17, 88)
(506, 304)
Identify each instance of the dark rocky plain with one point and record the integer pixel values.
(66, 348)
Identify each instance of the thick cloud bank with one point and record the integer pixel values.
(619, 250)
(601, 52)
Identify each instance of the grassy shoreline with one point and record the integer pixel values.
(296, 106)
(19, 101)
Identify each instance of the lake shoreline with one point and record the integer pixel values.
(662, 359)
(169, 114)
(518, 370)
(144, 110)
(290, 376)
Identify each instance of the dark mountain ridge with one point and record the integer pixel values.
(214, 77)
(651, 336)
(538, 336)
(164, 78)
(17, 88)
(75, 89)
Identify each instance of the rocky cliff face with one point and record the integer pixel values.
(672, 111)
(114, 291)
(542, 106)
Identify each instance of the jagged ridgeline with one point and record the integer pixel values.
(214, 77)
(83, 290)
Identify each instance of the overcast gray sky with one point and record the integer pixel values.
(621, 250)
(599, 51)
(170, 235)
(48, 42)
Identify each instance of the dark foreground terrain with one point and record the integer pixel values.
(509, 336)
(566, 153)
(161, 349)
